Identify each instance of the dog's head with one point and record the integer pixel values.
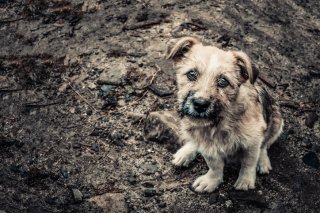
(208, 78)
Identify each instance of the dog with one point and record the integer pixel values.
(224, 113)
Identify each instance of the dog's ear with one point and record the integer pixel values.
(246, 69)
(177, 48)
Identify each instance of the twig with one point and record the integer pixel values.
(85, 100)
(144, 94)
(154, 74)
(33, 105)
(197, 25)
(289, 104)
(266, 80)
(143, 25)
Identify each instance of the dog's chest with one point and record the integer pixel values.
(213, 141)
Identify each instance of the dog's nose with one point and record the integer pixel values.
(200, 105)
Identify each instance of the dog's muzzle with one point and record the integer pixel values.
(200, 108)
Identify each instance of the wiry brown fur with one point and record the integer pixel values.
(240, 125)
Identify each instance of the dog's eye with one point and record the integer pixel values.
(223, 82)
(192, 75)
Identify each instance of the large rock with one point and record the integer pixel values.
(163, 127)
(111, 202)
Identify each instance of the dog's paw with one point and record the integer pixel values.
(245, 183)
(264, 166)
(183, 159)
(206, 183)
(184, 155)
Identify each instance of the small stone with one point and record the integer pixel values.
(129, 89)
(121, 103)
(160, 91)
(228, 203)
(77, 195)
(314, 73)
(148, 184)
(72, 110)
(311, 159)
(117, 137)
(273, 205)
(149, 169)
(149, 192)
(110, 101)
(65, 172)
(95, 147)
(111, 202)
(122, 18)
(89, 111)
(105, 90)
(113, 76)
(311, 118)
(92, 85)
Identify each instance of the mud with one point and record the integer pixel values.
(78, 79)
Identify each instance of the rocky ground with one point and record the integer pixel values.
(79, 78)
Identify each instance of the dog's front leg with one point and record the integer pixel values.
(185, 154)
(211, 180)
(247, 175)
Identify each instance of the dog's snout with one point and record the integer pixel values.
(200, 105)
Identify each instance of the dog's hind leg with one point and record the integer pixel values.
(264, 165)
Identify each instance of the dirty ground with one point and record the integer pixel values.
(79, 78)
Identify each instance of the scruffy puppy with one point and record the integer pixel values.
(224, 114)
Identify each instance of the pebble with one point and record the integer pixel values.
(95, 147)
(114, 76)
(314, 73)
(228, 203)
(117, 138)
(65, 172)
(160, 91)
(149, 169)
(149, 192)
(72, 110)
(89, 111)
(92, 85)
(110, 101)
(77, 195)
(121, 103)
(105, 90)
(110, 202)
